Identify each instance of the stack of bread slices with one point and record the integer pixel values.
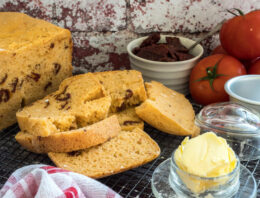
(93, 124)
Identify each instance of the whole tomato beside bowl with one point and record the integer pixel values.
(240, 36)
(255, 67)
(209, 76)
(218, 50)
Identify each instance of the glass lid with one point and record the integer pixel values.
(229, 117)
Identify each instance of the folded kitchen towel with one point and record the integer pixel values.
(48, 181)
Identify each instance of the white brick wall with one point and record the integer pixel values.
(101, 29)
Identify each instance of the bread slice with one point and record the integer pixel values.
(126, 88)
(127, 150)
(81, 100)
(167, 110)
(128, 119)
(71, 140)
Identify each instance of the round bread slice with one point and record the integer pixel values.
(71, 140)
(129, 149)
(167, 110)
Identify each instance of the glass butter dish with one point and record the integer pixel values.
(189, 185)
(239, 125)
(167, 184)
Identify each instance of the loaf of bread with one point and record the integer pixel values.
(80, 101)
(167, 110)
(126, 88)
(35, 56)
(129, 149)
(73, 140)
(128, 119)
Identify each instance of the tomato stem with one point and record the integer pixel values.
(229, 11)
(211, 74)
(239, 11)
(236, 9)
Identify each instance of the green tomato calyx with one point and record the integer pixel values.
(211, 74)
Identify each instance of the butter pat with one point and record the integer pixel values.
(207, 156)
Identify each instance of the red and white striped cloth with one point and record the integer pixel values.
(42, 181)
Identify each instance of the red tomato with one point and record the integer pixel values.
(240, 36)
(216, 70)
(249, 63)
(255, 68)
(246, 63)
(219, 50)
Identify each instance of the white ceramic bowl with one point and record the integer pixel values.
(174, 75)
(245, 90)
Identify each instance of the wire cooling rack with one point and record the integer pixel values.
(132, 183)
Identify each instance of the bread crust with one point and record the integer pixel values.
(151, 152)
(71, 140)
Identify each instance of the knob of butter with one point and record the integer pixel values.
(207, 156)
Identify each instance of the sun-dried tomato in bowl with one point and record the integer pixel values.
(170, 51)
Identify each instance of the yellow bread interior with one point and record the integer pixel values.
(128, 119)
(129, 149)
(126, 88)
(167, 110)
(72, 140)
(81, 100)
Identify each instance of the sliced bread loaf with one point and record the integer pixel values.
(127, 150)
(35, 56)
(167, 110)
(128, 119)
(81, 100)
(71, 140)
(126, 88)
